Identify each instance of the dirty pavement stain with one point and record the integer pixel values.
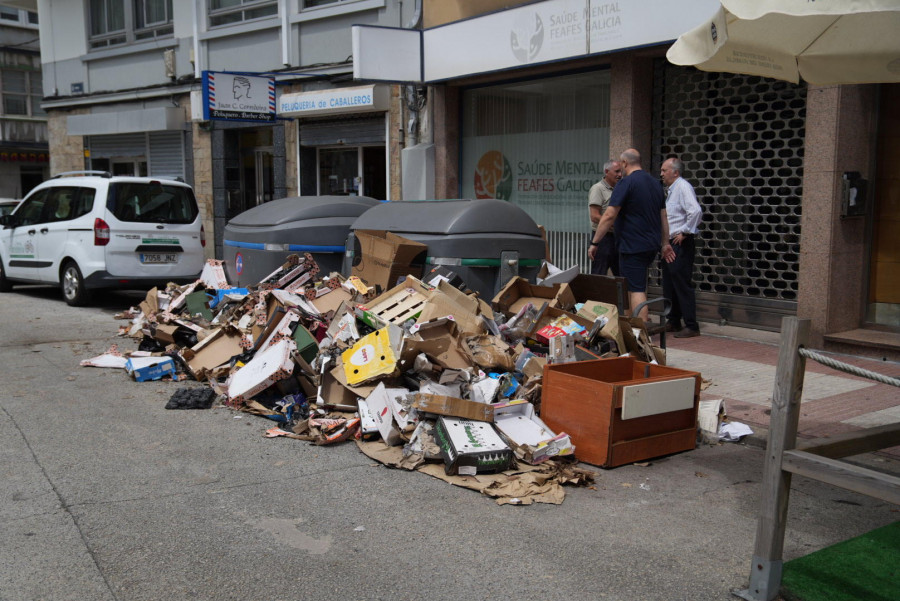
(286, 532)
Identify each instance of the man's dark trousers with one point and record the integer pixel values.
(678, 285)
(606, 256)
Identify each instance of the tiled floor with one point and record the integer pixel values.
(742, 372)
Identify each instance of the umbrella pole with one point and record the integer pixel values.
(765, 571)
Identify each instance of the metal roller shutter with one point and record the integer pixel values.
(346, 131)
(119, 145)
(166, 154)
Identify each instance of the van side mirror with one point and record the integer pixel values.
(8, 220)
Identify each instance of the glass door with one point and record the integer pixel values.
(339, 171)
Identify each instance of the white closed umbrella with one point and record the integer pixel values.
(821, 41)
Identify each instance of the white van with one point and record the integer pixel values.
(89, 230)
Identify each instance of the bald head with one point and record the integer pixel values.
(631, 160)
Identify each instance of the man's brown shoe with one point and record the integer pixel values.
(687, 333)
(671, 327)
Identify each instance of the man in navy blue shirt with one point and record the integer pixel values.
(637, 207)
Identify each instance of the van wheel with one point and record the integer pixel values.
(72, 285)
(5, 285)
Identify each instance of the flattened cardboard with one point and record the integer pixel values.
(470, 447)
(267, 367)
(453, 407)
(518, 292)
(385, 256)
(213, 275)
(381, 407)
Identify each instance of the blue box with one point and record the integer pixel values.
(143, 369)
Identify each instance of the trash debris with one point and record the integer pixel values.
(425, 376)
(191, 398)
(733, 431)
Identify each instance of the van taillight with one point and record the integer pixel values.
(202, 237)
(101, 232)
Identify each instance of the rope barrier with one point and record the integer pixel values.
(850, 369)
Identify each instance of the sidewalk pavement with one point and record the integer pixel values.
(740, 364)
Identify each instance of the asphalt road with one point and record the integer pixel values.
(105, 495)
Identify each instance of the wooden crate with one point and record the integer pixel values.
(621, 410)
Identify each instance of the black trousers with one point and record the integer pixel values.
(678, 285)
(606, 257)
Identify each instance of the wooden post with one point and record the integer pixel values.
(765, 572)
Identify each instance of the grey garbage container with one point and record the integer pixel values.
(257, 241)
(486, 242)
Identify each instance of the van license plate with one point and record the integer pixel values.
(159, 258)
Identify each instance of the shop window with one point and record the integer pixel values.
(226, 12)
(22, 92)
(540, 144)
(116, 22)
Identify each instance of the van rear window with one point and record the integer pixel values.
(152, 202)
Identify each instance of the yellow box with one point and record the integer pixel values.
(373, 356)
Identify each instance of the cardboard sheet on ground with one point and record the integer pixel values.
(524, 485)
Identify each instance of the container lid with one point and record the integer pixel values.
(301, 208)
(448, 217)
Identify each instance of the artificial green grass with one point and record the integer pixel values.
(865, 568)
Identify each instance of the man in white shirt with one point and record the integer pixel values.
(684, 215)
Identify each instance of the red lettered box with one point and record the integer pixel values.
(621, 410)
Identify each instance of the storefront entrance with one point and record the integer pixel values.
(352, 171)
(883, 307)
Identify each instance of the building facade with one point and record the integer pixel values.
(801, 212)
(124, 93)
(24, 156)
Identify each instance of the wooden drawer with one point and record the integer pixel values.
(621, 410)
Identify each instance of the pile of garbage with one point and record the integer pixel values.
(424, 375)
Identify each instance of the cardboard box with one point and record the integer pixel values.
(143, 369)
(439, 340)
(399, 304)
(453, 407)
(384, 257)
(469, 447)
(593, 310)
(213, 351)
(530, 437)
(373, 356)
(621, 410)
(261, 372)
(165, 332)
(448, 301)
(335, 391)
(518, 292)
